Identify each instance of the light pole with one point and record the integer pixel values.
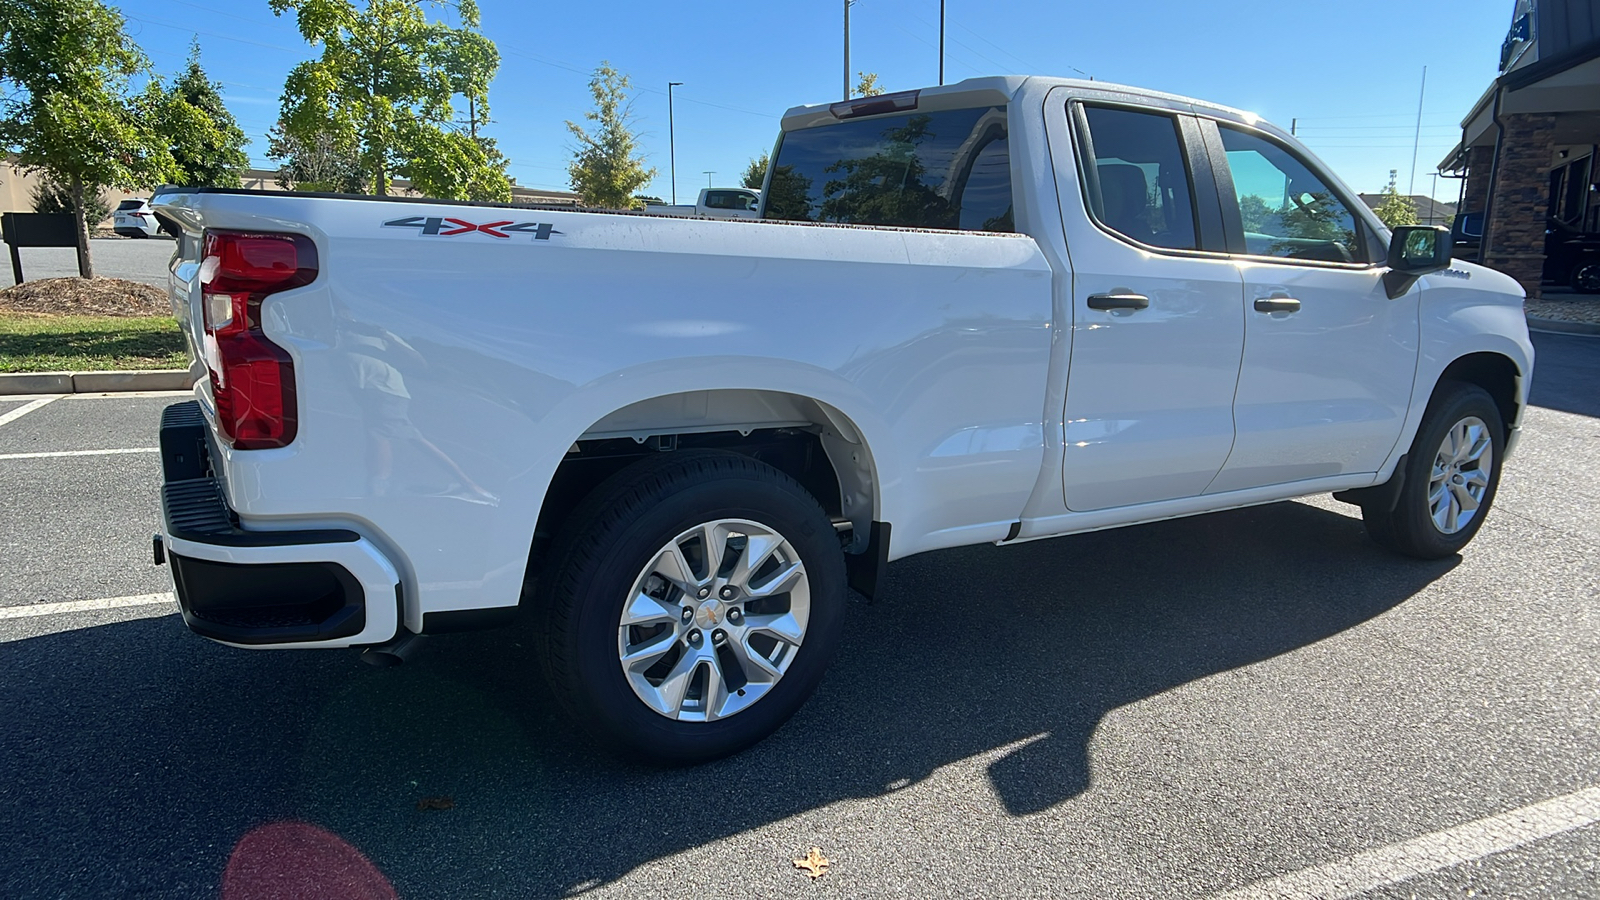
(941, 41)
(672, 145)
(847, 48)
(708, 173)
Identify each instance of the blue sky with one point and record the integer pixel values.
(1349, 72)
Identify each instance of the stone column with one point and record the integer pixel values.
(1480, 160)
(1514, 232)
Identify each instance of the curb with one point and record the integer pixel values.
(95, 382)
(1560, 327)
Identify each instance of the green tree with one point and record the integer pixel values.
(384, 93)
(207, 144)
(755, 174)
(888, 186)
(606, 169)
(51, 196)
(869, 85)
(68, 111)
(1395, 209)
(315, 163)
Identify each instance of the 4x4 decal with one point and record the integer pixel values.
(445, 226)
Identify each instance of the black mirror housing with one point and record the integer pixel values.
(1414, 251)
(1419, 249)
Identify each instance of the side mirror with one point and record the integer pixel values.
(1419, 249)
(1414, 251)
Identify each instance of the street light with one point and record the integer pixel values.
(672, 146)
(708, 173)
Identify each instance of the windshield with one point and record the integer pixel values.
(947, 169)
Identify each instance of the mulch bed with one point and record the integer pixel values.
(1565, 307)
(85, 297)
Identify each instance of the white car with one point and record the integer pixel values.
(134, 218)
(990, 312)
(715, 203)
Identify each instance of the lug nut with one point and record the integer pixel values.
(719, 636)
(688, 615)
(694, 636)
(735, 616)
(728, 592)
(704, 593)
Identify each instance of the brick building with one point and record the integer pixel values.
(1528, 146)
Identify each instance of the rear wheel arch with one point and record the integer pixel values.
(811, 441)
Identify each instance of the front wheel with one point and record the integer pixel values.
(697, 598)
(1451, 476)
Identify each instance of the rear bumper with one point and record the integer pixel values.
(287, 589)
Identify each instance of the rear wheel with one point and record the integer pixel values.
(696, 600)
(1451, 476)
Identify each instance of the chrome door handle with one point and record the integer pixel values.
(1277, 303)
(1118, 298)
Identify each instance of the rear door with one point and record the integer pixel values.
(1157, 325)
(1329, 358)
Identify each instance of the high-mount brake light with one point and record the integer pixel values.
(252, 379)
(904, 101)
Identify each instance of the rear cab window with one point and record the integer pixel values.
(946, 169)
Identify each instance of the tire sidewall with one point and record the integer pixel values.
(608, 701)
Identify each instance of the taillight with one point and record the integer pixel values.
(252, 379)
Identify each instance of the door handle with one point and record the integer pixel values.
(1118, 298)
(1277, 303)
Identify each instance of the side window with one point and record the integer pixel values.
(1137, 182)
(1286, 210)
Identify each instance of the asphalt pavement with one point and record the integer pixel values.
(1258, 701)
(136, 259)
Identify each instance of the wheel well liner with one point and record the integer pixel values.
(1493, 372)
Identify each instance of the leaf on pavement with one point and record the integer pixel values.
(436, 803)
(813, 864)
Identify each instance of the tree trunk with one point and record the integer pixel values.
(80, 213)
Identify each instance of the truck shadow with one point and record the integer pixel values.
(135, 755)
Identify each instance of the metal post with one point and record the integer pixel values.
(708, 173)
(1411, 187)
(672, 142)
(847, 49)
(941, 41)
(1293, 125)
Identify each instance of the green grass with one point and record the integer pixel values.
(35, 343)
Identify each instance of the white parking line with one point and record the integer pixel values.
(1430, 853)
(26, 408)
(128, 395)
(79, 453)
(33, 610)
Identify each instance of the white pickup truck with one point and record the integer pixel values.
(714, 203)
(996, 311)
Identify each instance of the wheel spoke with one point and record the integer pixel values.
(716, 696)
(672, 565)
(1477, 478)
(641, 657)
(1479, 443)
(782, 580)
(782, 626)
(757, 668)
(673, 688)
(647, 610)
(1464, 497)
(714, 544)
(758, 549)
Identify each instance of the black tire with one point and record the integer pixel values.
(613, 534)
(1408, 528)
(1586, 277)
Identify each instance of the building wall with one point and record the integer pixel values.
(1514, 233)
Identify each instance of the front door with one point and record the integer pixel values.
(1157, 327)
(1329, 358)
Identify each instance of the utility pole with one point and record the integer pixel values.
(1293, 124)
(672, 142)
(941, 41)
(1417, 138)
(847, 48)
(708, 173)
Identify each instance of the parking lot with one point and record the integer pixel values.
(1258, 701)
(135, 259)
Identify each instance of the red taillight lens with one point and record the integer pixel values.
(252, 379)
